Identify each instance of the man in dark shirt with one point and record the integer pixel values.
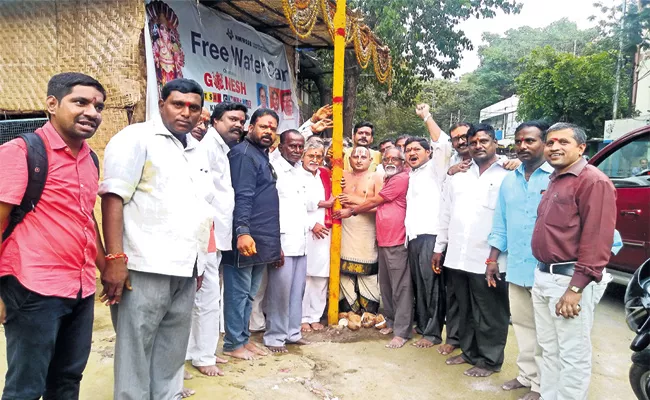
(256, 228)
(572, 241)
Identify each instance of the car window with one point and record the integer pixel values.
(628, 165)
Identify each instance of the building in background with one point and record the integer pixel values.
(640, 100)
(503, 117)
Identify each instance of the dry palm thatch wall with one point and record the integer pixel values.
(40, 38)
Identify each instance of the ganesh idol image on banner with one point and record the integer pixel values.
(168, 55)
(229, 59)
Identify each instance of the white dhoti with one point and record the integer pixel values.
(318, 271)
(204, 335)
(315, 299)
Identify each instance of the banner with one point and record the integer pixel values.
(229, 59)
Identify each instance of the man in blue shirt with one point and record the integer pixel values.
(256, 231)
(512, 230)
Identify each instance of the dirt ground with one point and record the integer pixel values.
(356, 365)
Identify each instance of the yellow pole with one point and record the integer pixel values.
(337, 161)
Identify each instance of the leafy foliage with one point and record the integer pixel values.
(423, 35)
(500, 55)
(562, 87)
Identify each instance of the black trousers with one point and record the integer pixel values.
(483, 318)
(429, 289)
(48, 342)
(451, 317)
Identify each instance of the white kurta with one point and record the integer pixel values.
(466, 214)
(318, 250)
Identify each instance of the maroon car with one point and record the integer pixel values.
(625, 161)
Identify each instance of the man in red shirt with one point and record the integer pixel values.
(394, 275)
(47, 264)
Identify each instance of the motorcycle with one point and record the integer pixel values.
(637, 316)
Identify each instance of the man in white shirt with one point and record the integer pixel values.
(227, 125)
(318, 190)
(155, 211)
(466, 215)
(451, 154)
(422, 203)
(286, 284)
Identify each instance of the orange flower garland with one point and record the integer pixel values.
(302, 16)
(363, 45)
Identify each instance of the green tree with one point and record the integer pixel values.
(627, 32)
(500, 55)
(424, 38)
(562, 87)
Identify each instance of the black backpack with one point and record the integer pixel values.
(37, 166)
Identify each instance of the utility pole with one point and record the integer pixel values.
(619, 61)
(575, 44)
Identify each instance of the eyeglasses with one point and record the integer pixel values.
(458, 138)
(392, 159)
(313, 156)
(273, 173)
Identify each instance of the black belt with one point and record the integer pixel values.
(563, 268)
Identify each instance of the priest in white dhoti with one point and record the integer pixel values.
(318, 189)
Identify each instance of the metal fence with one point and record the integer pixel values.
(11, 129)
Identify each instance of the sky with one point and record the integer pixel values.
(535, 13)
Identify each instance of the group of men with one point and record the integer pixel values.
(428, 226)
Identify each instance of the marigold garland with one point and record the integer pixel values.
(382, 61)
(363, 45)
(383, 64)
(302, 16)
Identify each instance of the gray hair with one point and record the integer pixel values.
(401, 153)
(578, 133)
(314, 143)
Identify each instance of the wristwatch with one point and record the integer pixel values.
(354, 213)
(575, 289)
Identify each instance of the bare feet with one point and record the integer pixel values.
(187, 376)
(423, 343)
(185, 393)
(396, 343)
(317, 326)
(221, 360)
(210, 370)
(512, 385)
(305, 327)
(300, 342)
(386, 331)
(478, 372)
(531, 396)
(446, 349)
(456, 360)
(242, 353)
(278, 349)
(255, 350)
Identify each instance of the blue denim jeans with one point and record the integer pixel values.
(240, 285)
(48, 342)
